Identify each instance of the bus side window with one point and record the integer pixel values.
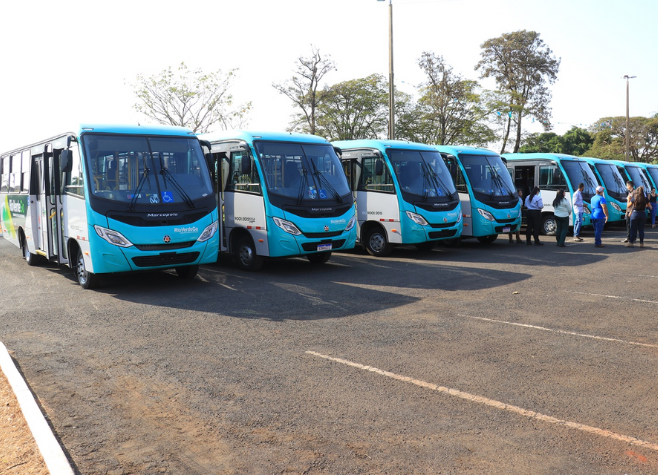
(25, 172)
(370, 181)
(551, 178)
(75, 183)
(4, 177)
(243, 175)
(15, 175)
(457, 177)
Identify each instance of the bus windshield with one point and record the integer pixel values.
(612, 180)
(579, 172)
(654, 173)
(306, 172)
(488, 175)
(146, 170)
(639, 179)
(422, 173)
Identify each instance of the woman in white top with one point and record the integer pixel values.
(561, 211)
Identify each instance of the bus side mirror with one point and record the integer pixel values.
(338, 151)
(65, 162)
(379, 167)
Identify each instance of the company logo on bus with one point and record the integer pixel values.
(166, 239)
(326, 229)
(445, 220)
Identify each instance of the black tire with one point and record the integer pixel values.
(87, 280)
(488, 239)
(426, 246)
(376, 243)
(187, 272)
(548, 225)
(246, 256)
(319, 258)
(30, 259)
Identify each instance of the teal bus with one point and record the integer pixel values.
(634, 172)
(109, 199)
(489, 199)
(404, 194)
(280, 195)
(651, 171)
(614, 184)
(551, 172)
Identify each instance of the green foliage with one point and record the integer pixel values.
(523, 67)
(189, 98)
(302, 90)
(576, 141)
(356, 109)
(450, 110)
(610, 139)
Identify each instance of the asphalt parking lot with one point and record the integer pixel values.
(480, 359)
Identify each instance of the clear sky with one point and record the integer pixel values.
(64, 62)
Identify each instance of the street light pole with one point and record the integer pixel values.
(391, 88)
(628, 78)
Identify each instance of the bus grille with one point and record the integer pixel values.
(313, 246)
(164, 247)
(442, 234)
(505, 220)
(322, 235)
(442, 225)
(166, 259)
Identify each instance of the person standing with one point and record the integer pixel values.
(561, 211)
(630, 187)
(518, 230)
(578, 212)
(599, 215)
(534, 204)
(652, 201)
(638, 215)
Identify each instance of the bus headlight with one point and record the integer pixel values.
(586, 209)
(113, 237)
(459, 217)
(287, 226)
(416, 218)
(350, 224)
(209, 232)
(616, 206)
(486, 214)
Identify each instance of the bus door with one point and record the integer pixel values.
(524, 180)
(52, 211)
(460, 185)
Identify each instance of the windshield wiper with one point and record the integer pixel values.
(166, 173)
(589, 182)
(435, 178)
(502, 186)
(302, 186)
(323, 180)
(142, 180)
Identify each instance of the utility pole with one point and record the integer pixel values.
(627, 133)
(391, 88)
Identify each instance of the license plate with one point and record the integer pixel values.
(324, 247)
(507, 229)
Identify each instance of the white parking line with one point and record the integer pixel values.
(496, 404)
(611, 296)
(525, 325)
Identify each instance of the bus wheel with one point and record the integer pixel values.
(376, 243)
(319, 258)
(87, 280)
(187, 272)
(488, 239)
(549, 225)
(30, 259)
(247, 257)
(426, 246)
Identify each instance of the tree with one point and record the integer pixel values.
(453, 111)
(190, 98)
(610, 138)
(522, 66)
(302, 90)
(355, 109)
(576, 141)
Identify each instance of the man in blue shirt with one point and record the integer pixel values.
(599, 215)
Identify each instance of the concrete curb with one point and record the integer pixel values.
(50, 449)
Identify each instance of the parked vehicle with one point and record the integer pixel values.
(404, 194)
(110, 199)
(488, 197)
(281, 195)
(614, 183)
